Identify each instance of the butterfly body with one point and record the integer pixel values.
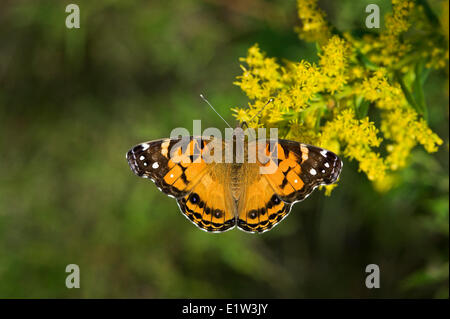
(219, 195)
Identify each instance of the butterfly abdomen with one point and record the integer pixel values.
(236, 180)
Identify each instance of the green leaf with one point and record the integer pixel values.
(361, 107)
(417, 88)
(424, 76)
(409, 97)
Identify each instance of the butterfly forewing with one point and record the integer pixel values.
(305, 167)
(152, 160)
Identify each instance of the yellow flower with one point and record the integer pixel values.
(328, 188)
(376, 88)
(241, 114)
(314, 25)
(396, 23)
(405, 130)
(333, 63)
(262, 77)
(334, 59)
(357, 137)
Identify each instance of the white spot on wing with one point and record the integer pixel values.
(312, 171)
(142, 157)
(324, 153)
(145, 146)
(155, 165)
(327, 165)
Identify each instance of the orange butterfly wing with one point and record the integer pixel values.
(260, 208)
(210, 205)
(301, 168)
(177, 169)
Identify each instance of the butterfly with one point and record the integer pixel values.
(218, 196)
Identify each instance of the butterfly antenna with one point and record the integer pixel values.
(257, 114)
(204, 99)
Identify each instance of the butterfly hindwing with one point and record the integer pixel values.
(260, 208)
(209, 205)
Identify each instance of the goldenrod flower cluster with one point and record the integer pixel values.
(359, 138)
(375, 87)
(328, 103)
(314, 24)
(393, 46)
(409, 35)
(404, 130)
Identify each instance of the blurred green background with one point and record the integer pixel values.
(72, 102)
